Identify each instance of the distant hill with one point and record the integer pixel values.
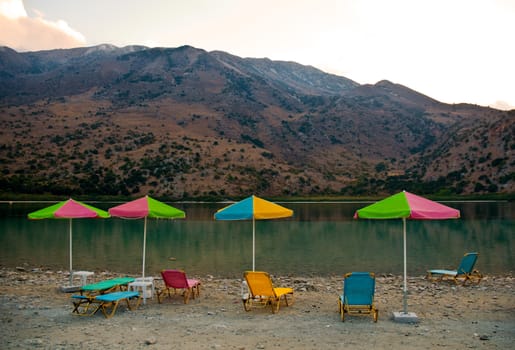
(184, 123)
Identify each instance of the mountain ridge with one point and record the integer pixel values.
(187, 123)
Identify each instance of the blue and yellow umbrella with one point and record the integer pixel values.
(253, 208)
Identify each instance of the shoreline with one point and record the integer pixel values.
(36, 315)
(27, 198)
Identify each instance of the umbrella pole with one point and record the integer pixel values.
(144, 245)
(405, 290)
(71, 271)
(253, 244)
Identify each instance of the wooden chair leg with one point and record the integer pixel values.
(247, 304)
(159, 292)
(187, 293)
(134, 307)
(276, 304)
(106, 306)
(192, 292)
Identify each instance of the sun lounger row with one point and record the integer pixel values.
(106, 295)
(258, 290)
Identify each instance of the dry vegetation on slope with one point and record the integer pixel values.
(187, 124)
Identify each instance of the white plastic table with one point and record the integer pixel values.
(83, 276)
(145, 284)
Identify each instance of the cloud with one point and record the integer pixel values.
(12, 9)
(503, 105)
(23, 33)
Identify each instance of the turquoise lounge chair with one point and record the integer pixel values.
(464, 272)
(358, 295)
(82, 304)
(107, 303)
(107, 285)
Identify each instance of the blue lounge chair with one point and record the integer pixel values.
(464, 272)
(107, 303)
(358, 295)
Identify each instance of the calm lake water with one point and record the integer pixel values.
(321, 239)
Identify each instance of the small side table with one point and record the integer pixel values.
(83, 276)
(145, 284)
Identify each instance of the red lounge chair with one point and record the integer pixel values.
(176, 279)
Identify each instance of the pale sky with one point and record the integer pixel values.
(452, 50)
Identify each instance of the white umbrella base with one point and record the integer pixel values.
(69, 289)
(405, 317)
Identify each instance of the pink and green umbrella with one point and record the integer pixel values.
(253, 208)
(146, 207)
(405, 205)
(69, 209)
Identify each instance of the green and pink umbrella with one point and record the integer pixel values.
(69, 209)
(405, 205)
(146, 207)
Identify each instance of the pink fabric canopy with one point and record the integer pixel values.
(406, 205)
(134, 209)
(425, 209)
(73, 209)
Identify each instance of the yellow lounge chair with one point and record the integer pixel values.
(262, 292)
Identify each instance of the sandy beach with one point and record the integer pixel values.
(36, 315)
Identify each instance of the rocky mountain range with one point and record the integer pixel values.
(184, 123)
